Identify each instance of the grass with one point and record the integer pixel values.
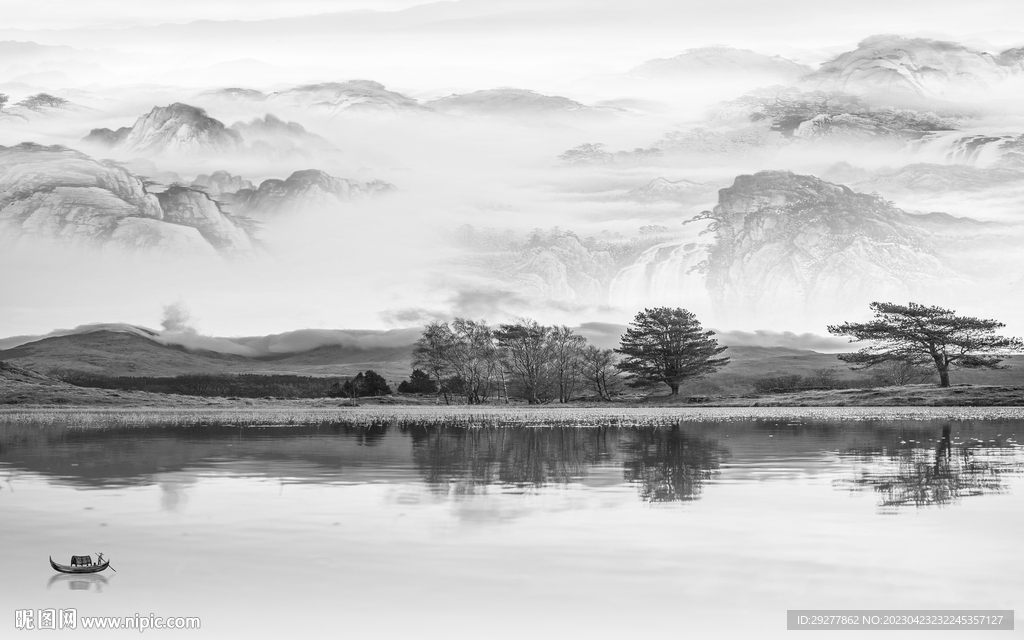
(479, 416)
(28, 397)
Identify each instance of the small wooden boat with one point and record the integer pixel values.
(81, 564)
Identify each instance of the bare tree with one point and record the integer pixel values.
(598, 368)
(901, 372)
(825, 378)
(567, 360)
(526, 353)
(432, 354)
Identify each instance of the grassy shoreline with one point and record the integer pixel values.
(29, 397)
(486, 415)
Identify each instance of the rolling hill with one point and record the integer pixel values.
(127, 352)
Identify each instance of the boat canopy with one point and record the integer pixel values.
(80, 560)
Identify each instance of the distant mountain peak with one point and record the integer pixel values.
(787, 241)
(662, 188)
(722, 59)
(305, 190)
(180, 128)
(908, 67)
(505, 100)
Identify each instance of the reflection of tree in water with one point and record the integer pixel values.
(469, 458)
(369, 435)
(922, 476)
(669, 464)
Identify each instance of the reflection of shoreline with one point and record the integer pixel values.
(82, 582)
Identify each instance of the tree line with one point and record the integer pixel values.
(540, 363)
(523, 359)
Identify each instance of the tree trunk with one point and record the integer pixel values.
(944, 377)
(674, 386)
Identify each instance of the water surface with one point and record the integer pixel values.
(692, 530)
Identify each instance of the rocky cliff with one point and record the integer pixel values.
(819, 114)
(55, 193)
(194, 208)
(179, 129)
(787, 243)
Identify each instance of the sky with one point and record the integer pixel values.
(124, 58)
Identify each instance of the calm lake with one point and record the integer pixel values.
(700, 530)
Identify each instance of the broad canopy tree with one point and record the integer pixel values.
(666, 345)
(921, 334)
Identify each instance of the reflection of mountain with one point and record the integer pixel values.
(60, 194)
(133, 457)
(722, 63)
(308, 190)
(914, 475)
(786, 243)
(669, 464)
(664, 464)
(917, 68)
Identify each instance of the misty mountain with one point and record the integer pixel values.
(134, 351)
(719, 62)
(785, 242)
(663, 189)
(916, 68)
(177, 128)
(302, 191)
(938, 178)
(510, 102)
(354, 97)
(104, 137)
(777, 245)
(193, 208)
(33, 64)
(807, 115)
(220, 182)
(56, 193)
(271, 135)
